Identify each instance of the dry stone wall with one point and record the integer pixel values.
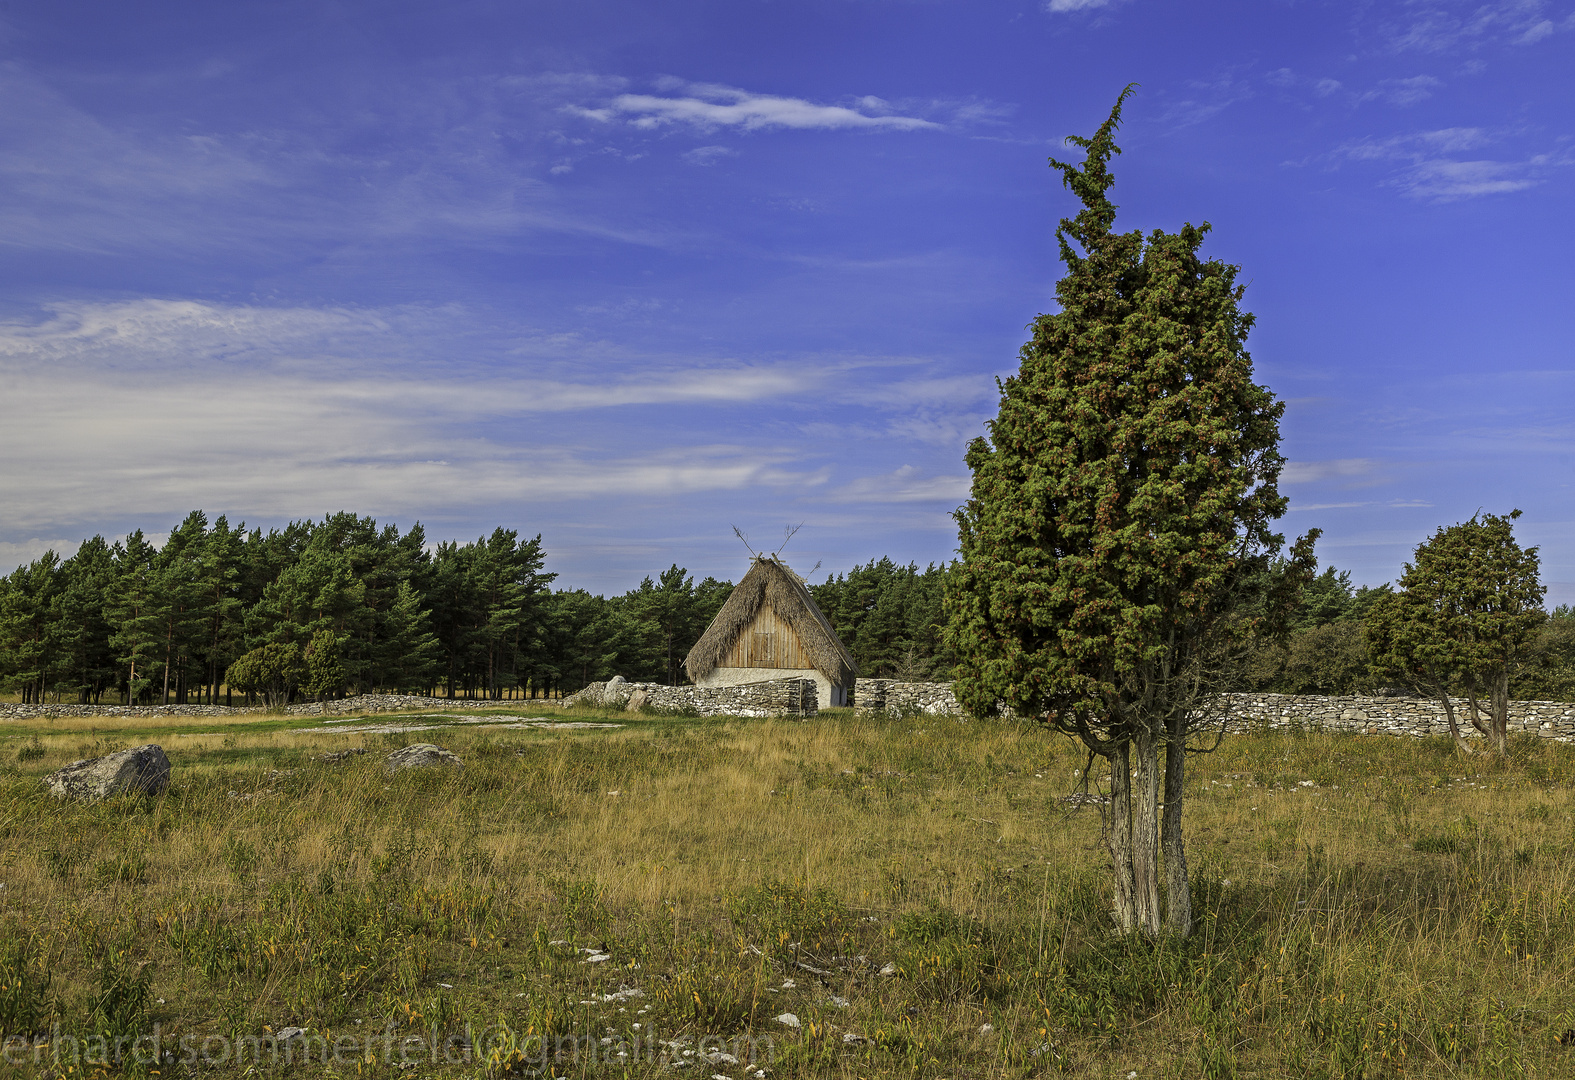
(1413, 717)
(30, 712)
(773, 697)
(904, 698)
(358, 705)
(374, 703)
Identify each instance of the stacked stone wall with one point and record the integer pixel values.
(31, 712)
(775, 697)
(902, 698)
(374, 703)
(770, 697)
(1413, 717)
(361, 703)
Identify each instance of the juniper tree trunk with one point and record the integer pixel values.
(1500, 717)
(1145, 831)
(1449, 712)
(1178, 889)
(1476, 711)
(1118, 822)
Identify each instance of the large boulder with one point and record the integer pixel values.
(421, 756)
(143, 770)
(615, 695)
(612, 694)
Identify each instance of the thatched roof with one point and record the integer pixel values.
(769, 581)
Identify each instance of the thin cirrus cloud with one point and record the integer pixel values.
(1404, 92)
(906, 484)
(72, 179)
(1443, 27)
(1061, 7)
(283, 447)
(709, 155)
(708, 107)
(1434, 166)
(290, 411)
(1307, 472)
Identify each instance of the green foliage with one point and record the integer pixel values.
(409, 654)
(325, 675)
(118, 1010)
(891, 618)
(662, 620)
(1547, 671)
(25, 977)
(1465, 614)
(1325, 650)
(785, 919)
(1129, 479)
(273, 671)
(1116, 548)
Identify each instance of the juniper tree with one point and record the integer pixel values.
(1118, 516)
(1466, 611)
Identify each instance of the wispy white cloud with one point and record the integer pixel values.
(1434, 168)
(908, 393)
(1392, 504)
(1306, 472)
(21, 552)
(1403, 92)
(146, 408)
(1205, 99)
(708, 106)
(72, 180)
(709, 155)
(938, 429)
(1441, 26)
(1063, 6)
(904, 485)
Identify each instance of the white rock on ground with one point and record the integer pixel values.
(421, 756)
(141, 770)
(788, 1020)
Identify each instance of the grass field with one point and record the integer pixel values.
(648, 900)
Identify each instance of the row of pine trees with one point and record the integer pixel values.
(366, 608)
(482, 619)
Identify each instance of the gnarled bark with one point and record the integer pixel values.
(1118, 834)
(1178, 888)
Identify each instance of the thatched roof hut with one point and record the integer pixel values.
(770, 627)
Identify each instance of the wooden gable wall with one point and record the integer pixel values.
(767, 642)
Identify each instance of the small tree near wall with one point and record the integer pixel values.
(1466, 612)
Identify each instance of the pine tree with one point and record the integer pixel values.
(410, 658)
(79, 632)
(132, 611)
(25, 601)
(1118, 513)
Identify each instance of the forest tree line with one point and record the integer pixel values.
(345, 605)
(389, 613)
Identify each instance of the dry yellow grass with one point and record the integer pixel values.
(1370, 906)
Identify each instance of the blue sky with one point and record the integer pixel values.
(629, 274)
